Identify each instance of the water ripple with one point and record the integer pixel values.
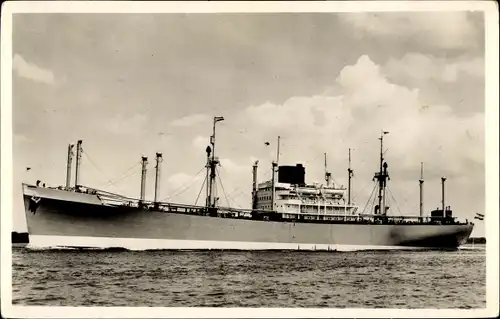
(395, 279)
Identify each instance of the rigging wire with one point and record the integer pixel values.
(201, 189)
(122, 175)
(96, 167)
(123, 178)
(184, 187)
(360, 192)
(373, 190)
(238, 194)
(222, 186)
(181, 191)
(390, 192)
(372, 209)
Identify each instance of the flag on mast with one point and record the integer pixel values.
(218, 118)
(479, 216)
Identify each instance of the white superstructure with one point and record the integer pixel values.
(314, 202)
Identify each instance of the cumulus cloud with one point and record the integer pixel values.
(365, 103)
(449, 30)
(449, 144)
(31, 71)
(190, 120)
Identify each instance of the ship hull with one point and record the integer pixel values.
(63, 218)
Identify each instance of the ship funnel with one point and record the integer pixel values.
(143, 177)
(68, 169)
(78, 162)
(159, 159)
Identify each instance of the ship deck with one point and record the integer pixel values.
(103, 198)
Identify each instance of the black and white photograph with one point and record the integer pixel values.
(237, 159)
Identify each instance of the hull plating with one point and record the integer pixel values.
(83, 217)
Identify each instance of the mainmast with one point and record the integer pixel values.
(381, 176)
(350, 174)
(273, 178)
(68, 168)
(212, 162)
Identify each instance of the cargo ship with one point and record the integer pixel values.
(286, 214)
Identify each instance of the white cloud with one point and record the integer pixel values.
(448, 30)
(200, 142)
(31, 71)
(449, 144)
(422, 67)
(190, 120)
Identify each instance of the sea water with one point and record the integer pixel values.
(363, 279)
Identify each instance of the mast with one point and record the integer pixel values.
(273, 181)
(254, 185)
(68, 169)
(382, 176)
(159, 160)
(143, 178)
(328, 175)
(207, 178)
(78, 162)
(443, 179)
(350, 174)
(421, 184)
(211, 166)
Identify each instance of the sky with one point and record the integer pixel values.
(131, 85)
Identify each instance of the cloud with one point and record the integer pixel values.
(31, 71)
(421, 67)
(449, 30)
(448, 143)
(190, 120)
(200, 142)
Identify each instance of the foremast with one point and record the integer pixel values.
(212, 161)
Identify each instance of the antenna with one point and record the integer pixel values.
(328, 175)
(278, 151)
